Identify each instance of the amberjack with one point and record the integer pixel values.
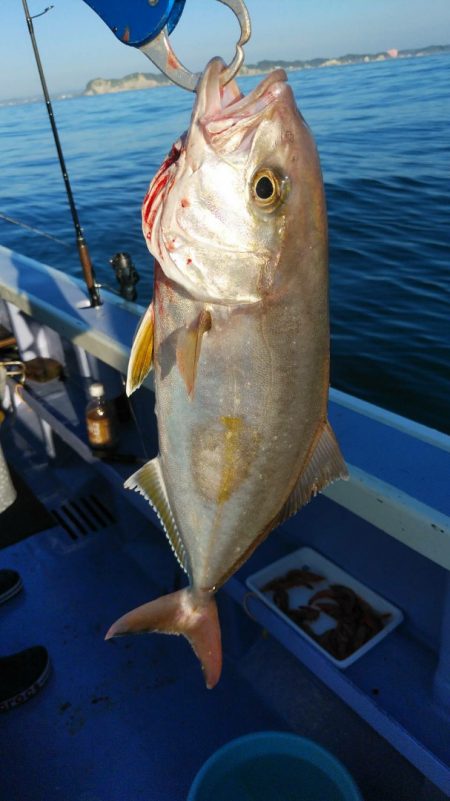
(238, 337)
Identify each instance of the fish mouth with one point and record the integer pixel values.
(222, 111)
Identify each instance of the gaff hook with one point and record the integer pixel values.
(160, 52)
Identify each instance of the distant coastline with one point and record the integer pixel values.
(150, 80)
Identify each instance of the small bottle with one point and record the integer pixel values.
(101, 422)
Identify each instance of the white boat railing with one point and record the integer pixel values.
(60, 301)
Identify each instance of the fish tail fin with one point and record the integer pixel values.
(183, 612)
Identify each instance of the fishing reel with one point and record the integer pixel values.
(126, 274)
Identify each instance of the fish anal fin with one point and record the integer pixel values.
(141, 357)
(149, 481)
(188, 349)
(181, 612)
(325, 464)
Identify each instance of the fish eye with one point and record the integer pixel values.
(264, 188)
(267, 188)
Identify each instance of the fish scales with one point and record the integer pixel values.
(199, 443)
(239, 332)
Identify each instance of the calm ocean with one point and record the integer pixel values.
(383, 132)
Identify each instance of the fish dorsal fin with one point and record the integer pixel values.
(189, 346)
(324, 465)
(141, 357)
(149, 481)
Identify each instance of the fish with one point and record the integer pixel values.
(238, 337)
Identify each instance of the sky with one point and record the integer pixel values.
(76, 45)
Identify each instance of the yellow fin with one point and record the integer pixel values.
(188, 349)
(324, 465)
(149, 481)
(141, 356)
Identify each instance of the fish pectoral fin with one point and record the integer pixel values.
(184, 613)
(324, 465)
(141, 357)
(149, 481)
(188, 349)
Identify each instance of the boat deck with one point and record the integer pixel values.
(131, 718)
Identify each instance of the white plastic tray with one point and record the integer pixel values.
(299, 596)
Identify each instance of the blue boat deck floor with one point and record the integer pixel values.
(131, 719)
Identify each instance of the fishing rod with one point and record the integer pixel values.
(83, 252)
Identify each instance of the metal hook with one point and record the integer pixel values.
(160, 52)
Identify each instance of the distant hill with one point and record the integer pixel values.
(149, 80)
(137, 80)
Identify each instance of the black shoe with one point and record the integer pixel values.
(10, 583)
(22, 675)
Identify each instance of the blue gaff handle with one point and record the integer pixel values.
(136, 22)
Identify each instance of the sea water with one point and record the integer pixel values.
(383, 133)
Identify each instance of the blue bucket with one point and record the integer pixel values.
(273, 766)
